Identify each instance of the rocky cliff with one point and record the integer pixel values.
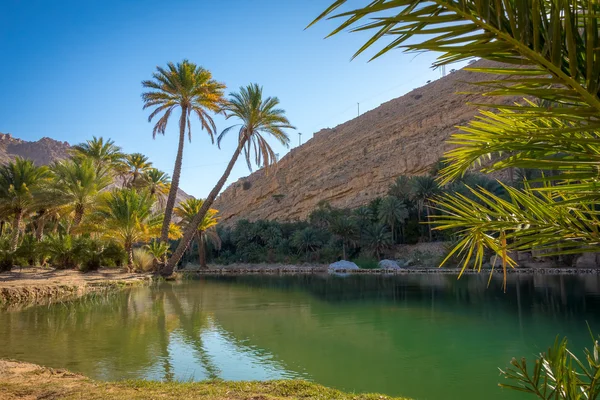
(356, 161)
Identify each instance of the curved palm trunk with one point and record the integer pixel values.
(14, 240)
(164, 233)
(192, 227)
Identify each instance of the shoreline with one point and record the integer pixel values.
(275, 269)
(21, 380)
(31, 286)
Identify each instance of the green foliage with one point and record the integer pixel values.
(365, 262)
(557, 374)
(62, 251)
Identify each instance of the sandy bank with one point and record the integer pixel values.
(32, 285)
(26, 381)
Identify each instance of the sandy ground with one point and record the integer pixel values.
(32, 286)
(32, 276)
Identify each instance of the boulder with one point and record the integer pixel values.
(389, 264)
(588, 260)
(342, 264)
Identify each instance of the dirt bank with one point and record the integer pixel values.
(26, 381)
(32, 285)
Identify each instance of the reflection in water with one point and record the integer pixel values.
(424, 336)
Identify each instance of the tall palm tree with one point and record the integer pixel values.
(105, 154)
(127, 218)
(194, 91)
(344, 228)
(425, 188)
(20, 181)
(78, 186)
(206, 231)
(393, 212)
(402, 188)
(258, 116)
(307, 240)
(135, 165)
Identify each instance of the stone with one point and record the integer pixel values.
(588, 260)
(342, 264)
(404, 136)
(389, 264)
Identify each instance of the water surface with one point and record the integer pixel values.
(421, 336)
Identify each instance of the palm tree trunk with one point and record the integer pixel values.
(344, 249)
(164, 233)
(14, 241)
(39, 229)
(192, 227)
(78, 215)
(129, 249)
(428, 224)
(201, 251)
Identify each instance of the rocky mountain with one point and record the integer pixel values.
(356, 161)
(43, 152)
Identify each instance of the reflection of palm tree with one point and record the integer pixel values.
(163, 335)
(192, 327)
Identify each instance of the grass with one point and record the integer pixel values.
(32, 381)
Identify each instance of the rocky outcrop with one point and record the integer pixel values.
(356, 161)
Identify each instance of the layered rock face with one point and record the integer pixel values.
(357, 161)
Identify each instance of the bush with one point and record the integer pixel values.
(29, 252)
(143, 260)
(89, 254)
(365, 262)
(113, 255)
(61, 251)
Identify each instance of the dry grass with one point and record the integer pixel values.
(28, 381)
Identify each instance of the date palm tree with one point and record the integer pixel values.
(549, 55)
(20, 183)
(206, 231)
(105, 155)
(259, 117)
(77, 186)
(127, 219)
(192, 89)
(344, 228)
(158, 185)
(135, 165)
(425, 190)
(392, 212)
(377, 239)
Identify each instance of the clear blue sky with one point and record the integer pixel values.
(72, 69)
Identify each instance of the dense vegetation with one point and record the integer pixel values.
(364, 235)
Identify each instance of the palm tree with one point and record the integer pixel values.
(392, 212)
(127, 219)
(20, 181)
(105, 154)
(344, 228)
(258, 117)
(425, 189)
(207, 231)
(307, 240)
(158, 185)
(135, 165)
(78, 186)
(194, 91)
(378, 238)
(402, 189)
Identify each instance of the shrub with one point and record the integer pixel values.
(60, 250)
(88, 253)
(365, 262)
(113, 255)
(142, 260)
(29, 252)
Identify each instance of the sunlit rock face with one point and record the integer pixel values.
(357, 161)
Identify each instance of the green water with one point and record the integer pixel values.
(422, 336)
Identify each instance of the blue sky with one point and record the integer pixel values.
(73, 69)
